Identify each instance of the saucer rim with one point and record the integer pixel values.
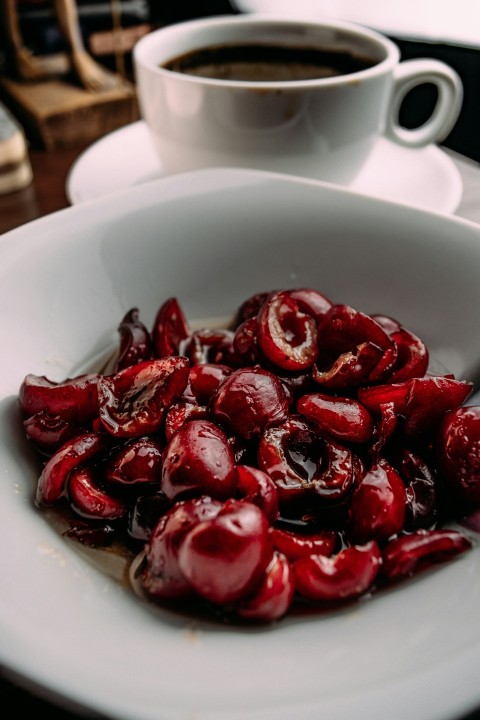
(76, 195)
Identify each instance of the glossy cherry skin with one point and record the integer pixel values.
(304, 466)
(377, 509)
(170, 328)
(205, 378)
(421, 489)
(133, 402)
(311, 302)
(294, 544)
(74, 452)
(349, 369)
(343, 329)
(342, 577)
(249, 400)
(409, 554)
(224, 558)
(135, 341)
(286, 336)
(162, 576)
(137, 462)
(412, 353)
(458, 453)
(273, 598)
(89, 500)
(257, 487)
(75, 399)
(421, 401)
(48, 432)
(343, 418)
(198, 460)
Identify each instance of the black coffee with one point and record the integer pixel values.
(267, 63)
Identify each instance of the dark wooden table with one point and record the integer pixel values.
(45, 195)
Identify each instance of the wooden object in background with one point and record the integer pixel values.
(57, 114)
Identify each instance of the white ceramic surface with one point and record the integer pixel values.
(212, 238)
(323, 128)
(426, 178)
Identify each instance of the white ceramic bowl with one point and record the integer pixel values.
(212, 238)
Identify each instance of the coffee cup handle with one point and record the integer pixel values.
(407, 76)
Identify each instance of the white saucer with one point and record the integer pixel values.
(425, 178)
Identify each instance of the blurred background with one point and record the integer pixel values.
(448, 30)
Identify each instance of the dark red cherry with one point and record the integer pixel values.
(133, 402)
(137, 462)
(74, 400)
(347, 575)
(273, 597)
(161, 576)
(458, 453)
(409, 554)
(258, 488)
(249, 400)
(341, 417)
(377, 509)
(198, 460)
(74, 452)
(90, 500)
(224, 558)
(170, 328)
(135, 341)
(286, 336)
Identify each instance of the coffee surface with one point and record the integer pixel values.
(266, 63)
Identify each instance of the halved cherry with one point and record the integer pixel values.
(273, 597)
(421, 489)
(406, 555)
(169, 329)
(311, 302)
(250, 307)
(347, 575)
(303, 465)
(205, 378)
(286, 336)
(138, 462)
(249, 400)
(458, 454)
(258, 488)
(206, 345)
(74, 400)
(133, 402)
(135, 341)
(429, 399)
(377, 508)
(340, 417)
(343, 329)
(198, 460)
(299, 544)
(412, 353)
(48, 432)
(89, 500)
(74, 452)
(349, 369)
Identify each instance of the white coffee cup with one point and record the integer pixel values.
(323, 128)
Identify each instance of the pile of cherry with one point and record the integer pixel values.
(303, 455)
